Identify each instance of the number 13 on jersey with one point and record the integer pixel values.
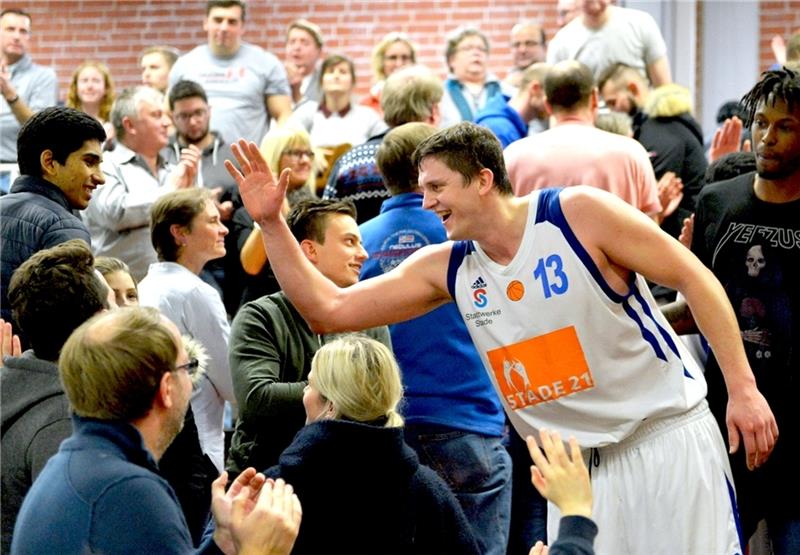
(550, 273)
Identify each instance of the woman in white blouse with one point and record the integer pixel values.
(186, 232)
(336, 119)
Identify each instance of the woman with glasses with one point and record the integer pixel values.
(469, 84)
(336, 120)
(362, 488)
(186, 232)
(393, 52)
(285, 147)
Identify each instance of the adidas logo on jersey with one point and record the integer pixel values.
(479, 283)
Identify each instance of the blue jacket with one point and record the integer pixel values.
(445, 381)
(101, 493)
(502, 120)
(34, 216)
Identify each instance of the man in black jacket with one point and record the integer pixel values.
(59, 153)
(663, 123)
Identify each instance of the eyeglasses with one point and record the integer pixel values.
(526, 44)
(472, 48)
(186, 116)
(190, 367)
(298, 154)
(398, 58)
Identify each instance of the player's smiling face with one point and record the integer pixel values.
(446, 194)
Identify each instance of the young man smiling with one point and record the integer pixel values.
(59, 155)
(566, 329)
(271, 346)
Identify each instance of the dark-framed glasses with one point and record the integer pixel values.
(190, 367)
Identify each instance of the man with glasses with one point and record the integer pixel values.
(191, 114)
(528, 46)
(128, 379)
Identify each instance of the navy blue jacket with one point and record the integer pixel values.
(101, 493)
(35, 215)
(363, 490)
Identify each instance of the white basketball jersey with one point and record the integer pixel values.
(564, 350)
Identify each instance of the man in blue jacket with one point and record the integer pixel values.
(59, 153)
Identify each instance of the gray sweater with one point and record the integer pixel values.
(35, 419)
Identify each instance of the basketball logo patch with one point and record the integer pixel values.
(515, 290)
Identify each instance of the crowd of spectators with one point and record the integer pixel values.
(223, 272)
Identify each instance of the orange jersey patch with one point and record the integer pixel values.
(541, 369)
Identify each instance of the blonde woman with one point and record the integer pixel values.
(285, 147)
(363, 489)
(393, 52)
(119, 279)
(91, 90)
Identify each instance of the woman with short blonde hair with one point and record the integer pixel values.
(363, 488)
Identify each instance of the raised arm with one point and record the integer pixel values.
(599, 220)
(413, 288)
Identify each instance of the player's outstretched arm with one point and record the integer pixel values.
(417, 286)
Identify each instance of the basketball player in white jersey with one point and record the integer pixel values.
(551, 287)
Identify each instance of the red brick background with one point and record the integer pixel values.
(776, 18)
(67, 32)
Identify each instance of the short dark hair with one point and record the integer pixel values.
(729, 166)
(184, 89)
(211, 4)
(308, 218)
(777, 84)
(58, 129)
(175, 208)
(335, 60)
(393, 158)
(467, 148)
(54, 292)
(568, 85)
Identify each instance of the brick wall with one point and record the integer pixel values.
(67, 32)
(777, 18)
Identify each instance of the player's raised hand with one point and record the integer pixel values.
(261, 194)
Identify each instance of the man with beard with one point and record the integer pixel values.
(663, 123)
(747, 231)
(128, 380)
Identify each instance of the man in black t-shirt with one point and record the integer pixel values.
(747, 230)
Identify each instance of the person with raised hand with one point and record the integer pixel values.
(564, 481)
